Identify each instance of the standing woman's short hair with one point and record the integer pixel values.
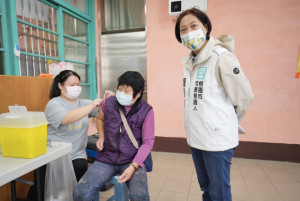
(197, 13)
(60, 78)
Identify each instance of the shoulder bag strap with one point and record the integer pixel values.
(129, 132)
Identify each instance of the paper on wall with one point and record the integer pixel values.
(56, 68)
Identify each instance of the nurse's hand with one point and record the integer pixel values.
(96, 103)
(99, 144)
(108, 93)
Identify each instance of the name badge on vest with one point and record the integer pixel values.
(198, 90)
(201, 73)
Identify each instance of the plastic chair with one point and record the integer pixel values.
(121, 192)
(91, 154)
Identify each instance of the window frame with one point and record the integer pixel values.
(4, 35)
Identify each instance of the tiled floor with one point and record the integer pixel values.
(174, 179)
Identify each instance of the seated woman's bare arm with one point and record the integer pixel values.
(100, 128)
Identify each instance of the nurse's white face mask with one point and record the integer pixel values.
(72, 92)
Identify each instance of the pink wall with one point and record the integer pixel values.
(267, 37)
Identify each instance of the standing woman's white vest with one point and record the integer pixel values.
(211, 106)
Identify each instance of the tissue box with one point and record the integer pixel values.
(23, 133)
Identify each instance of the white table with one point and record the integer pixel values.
(13, 168)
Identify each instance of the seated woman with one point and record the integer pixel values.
(116, 152)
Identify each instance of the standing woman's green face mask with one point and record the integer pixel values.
(192, 33)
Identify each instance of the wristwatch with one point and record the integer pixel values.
(135, 168)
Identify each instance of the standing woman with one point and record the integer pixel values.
(68, 121)
(216, 95)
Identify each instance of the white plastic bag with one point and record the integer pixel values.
(60, 180)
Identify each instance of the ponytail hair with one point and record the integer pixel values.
(61, 78)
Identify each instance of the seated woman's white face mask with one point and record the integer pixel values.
(124, 99)
(124, 95)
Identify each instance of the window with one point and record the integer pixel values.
(51, 32)
(37, 35)
(4, 56)
(76, 45)
(1, 49)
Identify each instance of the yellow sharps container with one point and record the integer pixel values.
(23, 133)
